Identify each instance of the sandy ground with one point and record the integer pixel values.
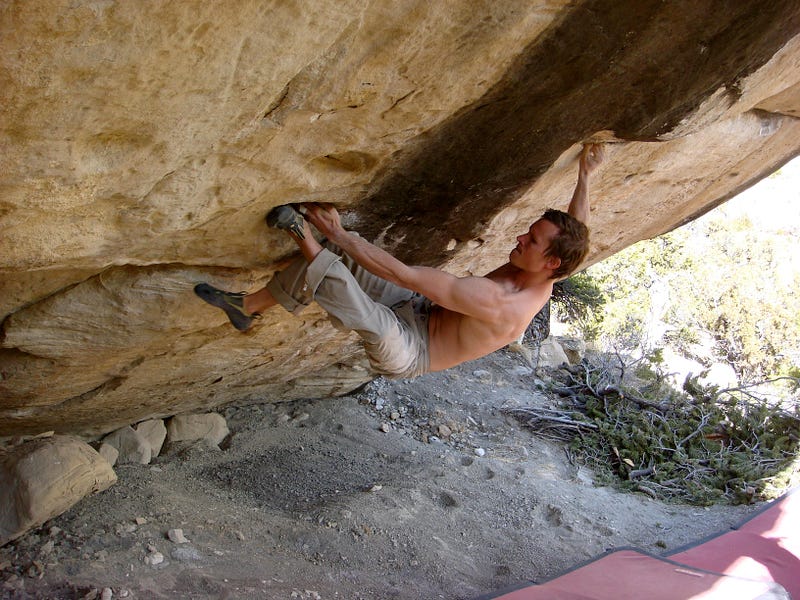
(420, 489)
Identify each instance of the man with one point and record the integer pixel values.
(418, 319)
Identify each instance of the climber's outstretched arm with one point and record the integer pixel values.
(477, 297)
(591, 156)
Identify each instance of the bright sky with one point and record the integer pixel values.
(773, 203)
(773, 207)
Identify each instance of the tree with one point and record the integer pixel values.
(715, 278)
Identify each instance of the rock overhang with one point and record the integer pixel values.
(145, 145)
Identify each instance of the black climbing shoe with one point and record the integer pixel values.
(231, 302)
(287, 218)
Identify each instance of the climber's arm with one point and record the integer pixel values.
(591, 156)
(478, 297)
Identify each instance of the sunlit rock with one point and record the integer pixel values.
(144, 143)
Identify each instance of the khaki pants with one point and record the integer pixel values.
(392, 321)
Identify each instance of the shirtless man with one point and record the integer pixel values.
(418, 319)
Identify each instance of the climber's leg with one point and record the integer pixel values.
(234, 304)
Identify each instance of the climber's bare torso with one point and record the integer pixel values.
(517, 295)
(455, 338)
(471, 316)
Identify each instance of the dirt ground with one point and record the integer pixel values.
(417, 489)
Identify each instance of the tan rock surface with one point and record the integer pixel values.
(210, 427)
(143, 142)
(155, 432)
(42, 478)
(132, 446)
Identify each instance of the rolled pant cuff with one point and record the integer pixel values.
(318, 269)
(314, 274)
(283, 298)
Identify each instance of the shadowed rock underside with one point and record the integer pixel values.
(144, 143)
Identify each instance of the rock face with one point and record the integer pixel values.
(143, 143)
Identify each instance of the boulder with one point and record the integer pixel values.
(574, 348)
(210, 428)
(43, 478)
(109, 452)
(551, 354)
(131, 445)
(154, 433)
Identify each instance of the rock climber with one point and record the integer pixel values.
(412, 319)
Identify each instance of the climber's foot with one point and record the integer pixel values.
(287, 218)
(231, 302)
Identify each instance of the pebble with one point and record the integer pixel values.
(306, 595)
(521, 370)
(106, 594)
(480, 452)
(154, 558)
(385, 428)
(186, 554)
(300, 418)
(124, 528)
(482, 375)
(176, 536)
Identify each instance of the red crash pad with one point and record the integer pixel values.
(757, 560)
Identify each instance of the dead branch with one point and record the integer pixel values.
(637, 473)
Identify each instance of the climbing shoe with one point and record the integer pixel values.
(287, 218)
(231, 302)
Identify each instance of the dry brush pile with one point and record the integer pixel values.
(699, 445)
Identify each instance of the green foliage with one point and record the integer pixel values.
(699, 445)
(580, 300)
(715, 291)
(716, 279)
(632, 283)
